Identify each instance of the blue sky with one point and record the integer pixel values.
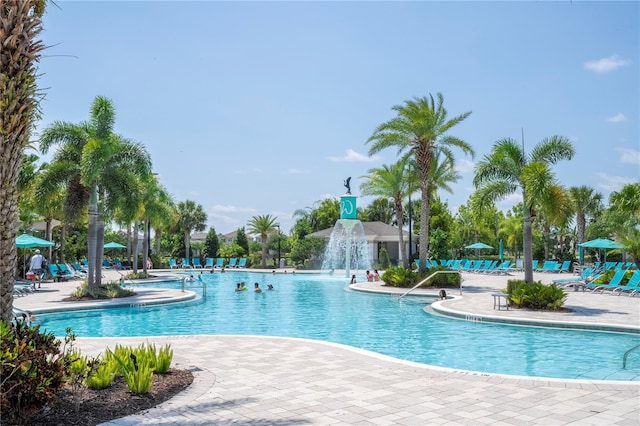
(253, 108)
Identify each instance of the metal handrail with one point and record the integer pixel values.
(626, 354)
(426, 279)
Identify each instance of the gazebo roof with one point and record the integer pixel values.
(373, 231)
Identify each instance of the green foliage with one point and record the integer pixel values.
(31, 369)
(398, 276)
(535, 295)
(241, 239)
(211, 243)
(383, 258)
(164, 358)
(105, 291)
(438, 244)
(103, 376)
(138, 374)
(307, 252)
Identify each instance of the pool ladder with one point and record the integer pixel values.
(626, 354)
(426, 279)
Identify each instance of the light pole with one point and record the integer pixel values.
(278, 245)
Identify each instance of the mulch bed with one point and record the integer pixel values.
(116, 401)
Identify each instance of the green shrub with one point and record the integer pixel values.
(398, 276)
(106, 291)
(383, 258)
(165, 356)
(138, 374)
(32, 369)
(535, 295)
(441, 280)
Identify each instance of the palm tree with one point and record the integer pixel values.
(191, 217)
(263, 226)
(420, 129)
(20, 25)
(586, 202)
(623, 218)
(95, 165)
(508, 169)
(389, 181)
(555, 212)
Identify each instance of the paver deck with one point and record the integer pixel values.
(281, 381)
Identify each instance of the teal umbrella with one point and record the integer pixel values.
(601, 244)
(478, 246)
(29, 241)
(25, 241)
(114, 245)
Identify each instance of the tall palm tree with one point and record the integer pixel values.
(191, 217)
(389, 182)
(623, 218)
(508, 169)
(555, 212)
(99, 168)
(586, 202)
(20, 25)
(262, 225)
(157, 205)
(420, 130)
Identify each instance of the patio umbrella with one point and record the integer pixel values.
(601, 244)
(114, 245)
(25, 241)
(478, 246)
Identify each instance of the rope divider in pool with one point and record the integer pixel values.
(426, 279)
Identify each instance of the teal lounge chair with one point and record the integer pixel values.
(242, 263)
(55, 272)
(631, 287)
(173, 264)
(219, 262)
(196, 263)
(64, 270)
(233, 262)
(614, 283)
(185, 263)
(208, 263)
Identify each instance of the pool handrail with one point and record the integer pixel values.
(626, 354)
(426, 279)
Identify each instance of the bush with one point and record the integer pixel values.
(398, 276)
(535, 295)
(383, 258)
(32, 369)
(106, 291)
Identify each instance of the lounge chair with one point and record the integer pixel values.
(233, 262)
(208, 263)
(185, 263)
(566, 265)
(242, 263)
(614, 283)
(219, 262)
(549, 266)
(196, 263)
(173, 264)
(631, 287)
(106, 264)
(56, 273)
(68, 273)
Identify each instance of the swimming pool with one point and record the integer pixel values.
(319, 307)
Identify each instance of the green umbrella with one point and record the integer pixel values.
(601, 244)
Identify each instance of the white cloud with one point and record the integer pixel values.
(354, 157)
(220, 209)
(612, 183)
(294, 171)
(629, 156)
(618, 118)
(603, 65)
(509, 201)
(464, 166)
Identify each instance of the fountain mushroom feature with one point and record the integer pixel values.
(348, 247)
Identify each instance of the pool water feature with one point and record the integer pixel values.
(320, 307)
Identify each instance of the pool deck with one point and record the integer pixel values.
(256, 380)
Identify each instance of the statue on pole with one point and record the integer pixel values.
(347, 184)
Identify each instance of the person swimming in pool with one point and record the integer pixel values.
(269, 287)
(256, 288)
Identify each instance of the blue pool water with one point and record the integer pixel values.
(319, 307)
